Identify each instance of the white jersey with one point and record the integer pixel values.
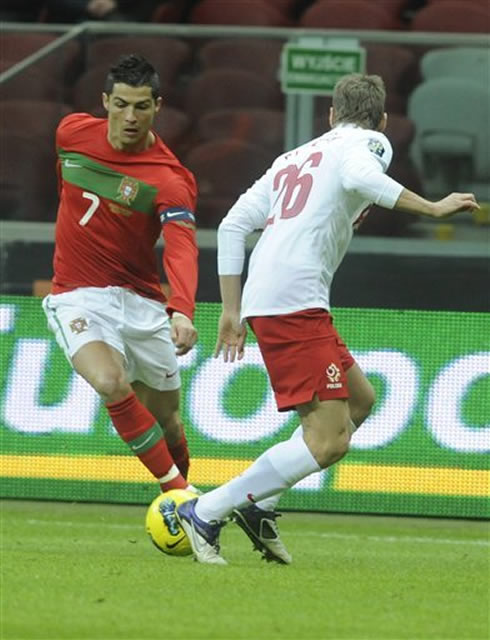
(307, 204)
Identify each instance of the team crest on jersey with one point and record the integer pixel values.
(333, 375)
(128, 190)
(79, 325)
(376, 147)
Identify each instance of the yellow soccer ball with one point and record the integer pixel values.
(162, 525)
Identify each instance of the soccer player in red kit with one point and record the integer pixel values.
(119, 188)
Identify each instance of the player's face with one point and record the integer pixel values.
(130, 113)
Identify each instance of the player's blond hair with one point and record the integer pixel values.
(359, 99)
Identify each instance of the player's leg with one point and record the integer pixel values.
(153, 370)
(134, 422)
(164, 405)
(318, 345)
(259, 521)
(361, 401)
(325, 440)
(92, 344)
(361, 395)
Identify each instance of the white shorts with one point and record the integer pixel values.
(137, 327)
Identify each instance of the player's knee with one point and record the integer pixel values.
(111, 384)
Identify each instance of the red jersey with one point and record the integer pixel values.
(113, 207)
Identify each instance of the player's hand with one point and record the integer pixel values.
(453, 203)
(183, 333)
(231, 337)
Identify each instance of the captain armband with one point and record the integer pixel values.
(177, 214)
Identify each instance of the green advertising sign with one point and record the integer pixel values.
(315, 68)
(423, 451)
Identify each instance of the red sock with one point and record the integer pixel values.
(180, 453)
(152, 460)
(139, 429)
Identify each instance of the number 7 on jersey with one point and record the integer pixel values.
(94, 203)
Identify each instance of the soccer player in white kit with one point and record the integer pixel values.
(307, 204)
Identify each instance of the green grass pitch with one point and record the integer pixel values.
(85, 571)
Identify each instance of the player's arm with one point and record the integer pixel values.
(451, 204)
(249, 213)
(363, 168)
(363, 171)
(180, 264)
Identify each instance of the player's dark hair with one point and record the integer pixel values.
(359, 99)
(135, 71)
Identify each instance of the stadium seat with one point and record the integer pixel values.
(28, 179)
(212, 209)
(230, 88)
(246, 12)
(168, 12)
(286, 7)
(398, 68)
(87, 90)
(173, 126)
(38, 119)
(263, 127)
(14, 47)
(462, 62)
(393, 7)
(168, 55)
(400, 131)
(347, 14)
(17, 46)
(256, 55)
(452, 139)
(224, 169)
(480, 2)
(452, 16)
(30, 85)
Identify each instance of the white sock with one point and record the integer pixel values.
(270, 503)
(277, 469)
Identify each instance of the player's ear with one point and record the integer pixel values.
(383, 122)
(331, 117)
(158, 104)
(105, 101)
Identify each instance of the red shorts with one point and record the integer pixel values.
(304, 356)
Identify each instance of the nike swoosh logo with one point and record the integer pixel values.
(135, 447)
(171, 214)
(73, 165)
(170, 375)
(174, 544)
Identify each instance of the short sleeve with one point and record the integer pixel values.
(377, 145)
(363, 167)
